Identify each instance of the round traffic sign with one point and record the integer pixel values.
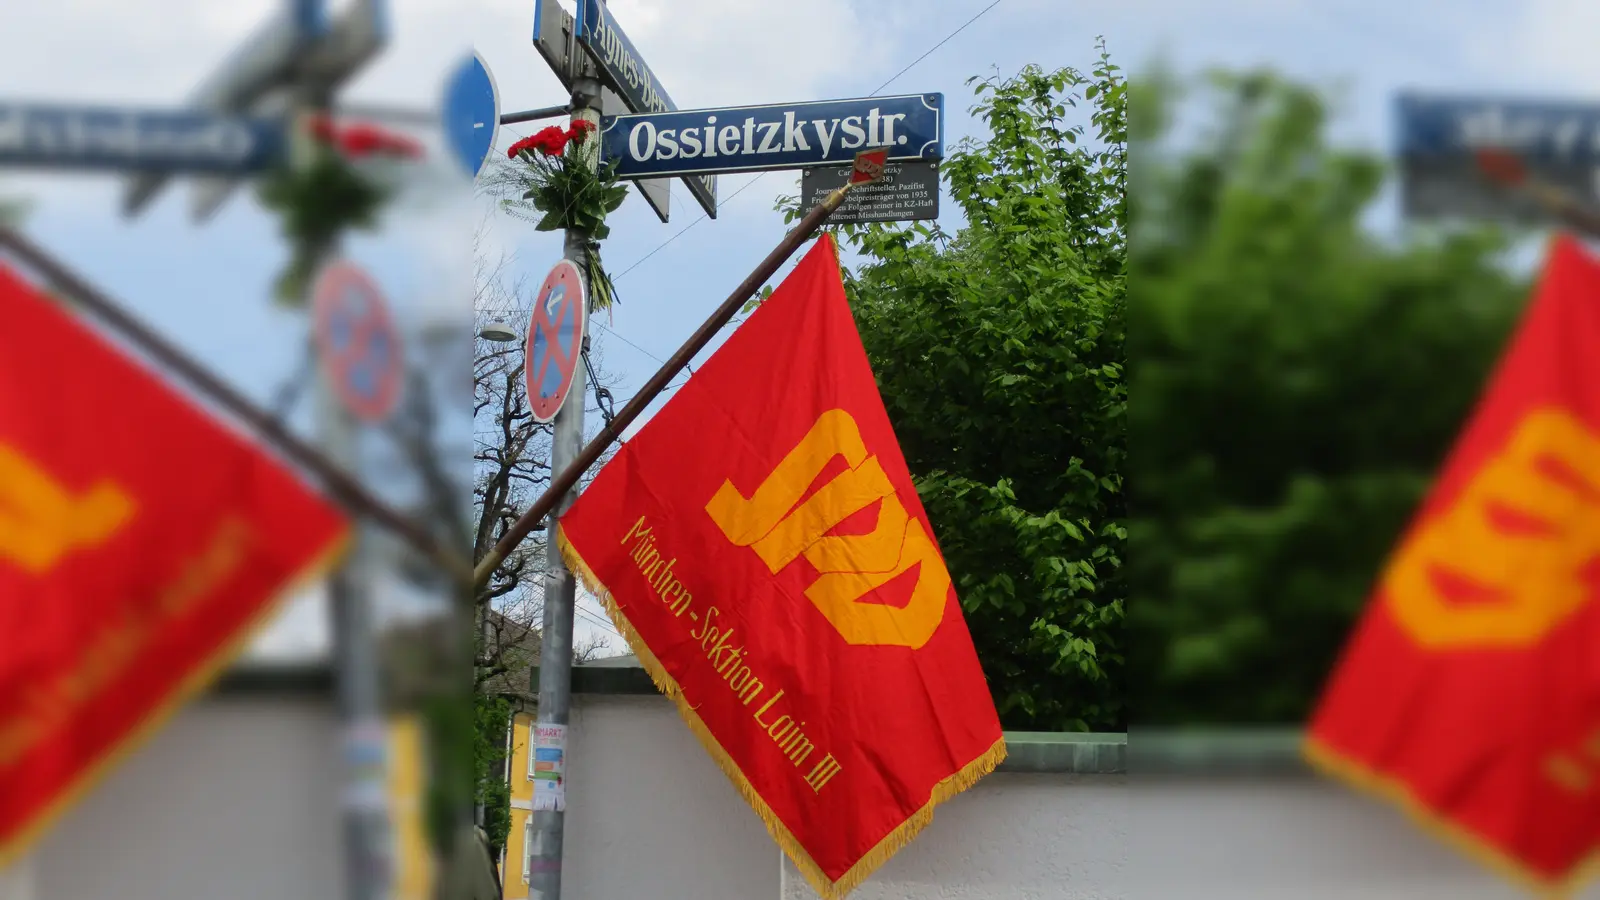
(357, 342)
(555, 340)
(471, 114)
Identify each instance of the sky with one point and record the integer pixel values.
(208, 286)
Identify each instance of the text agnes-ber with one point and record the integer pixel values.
(754, 138)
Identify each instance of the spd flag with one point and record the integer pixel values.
(140, 541)
(761, 546)
(1470, 691)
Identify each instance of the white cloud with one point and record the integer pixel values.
(110, 51)
(1543, 44)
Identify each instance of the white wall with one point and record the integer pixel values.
(650, 815)
(1291, 837)
(235, 799)
(1011, 837)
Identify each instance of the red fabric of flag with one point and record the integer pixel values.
(1470, 690)
(762, 547)
(140, 541)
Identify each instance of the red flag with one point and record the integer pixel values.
(762, 547)
(1470, 690)
(140, 541)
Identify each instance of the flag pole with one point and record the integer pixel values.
(343, 487)
(568, 476)
(1507, 170)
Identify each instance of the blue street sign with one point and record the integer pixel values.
(1440, 137)
(624, 70)
(776, 136)
(471, 114)
(83, 137)
(1556, 132)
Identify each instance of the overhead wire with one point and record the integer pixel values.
(879, 89)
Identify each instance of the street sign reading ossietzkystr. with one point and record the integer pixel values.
(624, 69)
(774, 136)
(87, 137)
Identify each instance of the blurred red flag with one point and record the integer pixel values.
(1470, 690)
(763, 549)
(140, 541)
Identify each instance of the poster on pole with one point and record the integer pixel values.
(550, 767)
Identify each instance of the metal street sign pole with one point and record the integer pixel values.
(560, 588)
(534, 115)
(1563, 206)
(567, 477)
(596, 46)
(366, 825)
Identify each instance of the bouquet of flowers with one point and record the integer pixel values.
(350, 174)
(568, 190)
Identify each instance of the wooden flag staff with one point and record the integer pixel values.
(869, 167)
(336, 481)
(1507, 170)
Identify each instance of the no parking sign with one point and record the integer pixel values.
(358, 345)
(555, 340)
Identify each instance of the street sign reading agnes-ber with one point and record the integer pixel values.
(555, 340)
(1442, 137)
(623, 68)
(775, 136)
(357, 342)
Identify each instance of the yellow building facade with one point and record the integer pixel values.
(519, 775)
(407, 776)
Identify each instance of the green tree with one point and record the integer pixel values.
(1297, 381)
(998, 352)
(493, 720)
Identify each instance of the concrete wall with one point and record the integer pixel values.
(1012, 837)
(650, 815)
(1274, 837)
(235, 799)
(238, 798)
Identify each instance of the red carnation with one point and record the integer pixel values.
(402, 146)
(361, 140)
(551, 141)
(579, 130)
(517, 148)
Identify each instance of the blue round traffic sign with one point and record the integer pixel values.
(357, 342)
(555, 340)
(471, 114)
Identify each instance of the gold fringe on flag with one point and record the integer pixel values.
(826, 888)
(1337, 767)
